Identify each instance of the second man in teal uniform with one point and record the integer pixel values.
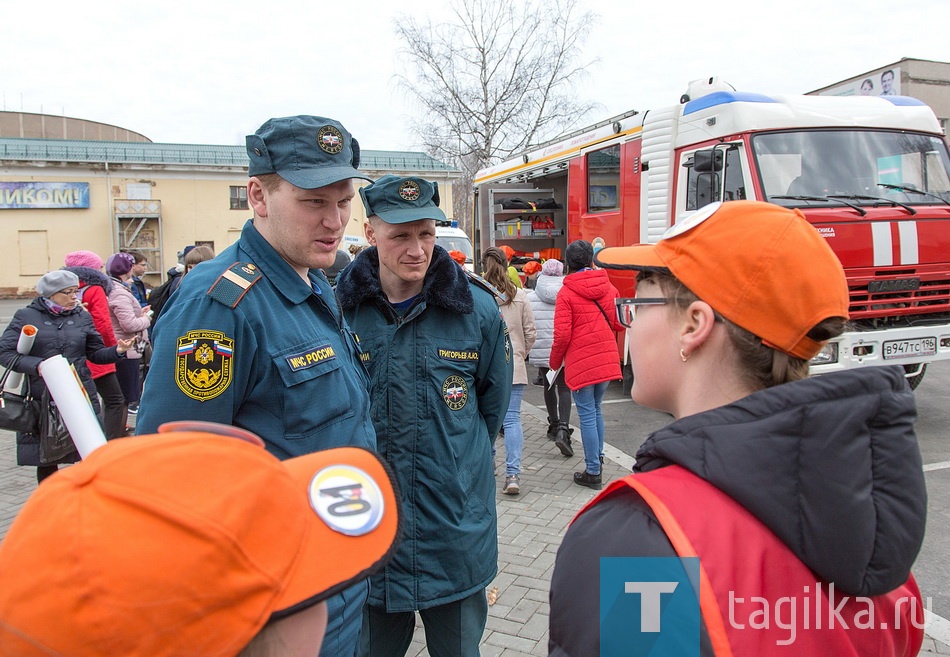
(440, 361)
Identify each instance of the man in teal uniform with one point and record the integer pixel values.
(440, 361)
(255, 337)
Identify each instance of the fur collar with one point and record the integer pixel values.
(446, 283)
(90, 276)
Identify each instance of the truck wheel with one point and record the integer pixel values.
(914, 381)
(627, 378)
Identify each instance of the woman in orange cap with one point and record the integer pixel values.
(779, 511)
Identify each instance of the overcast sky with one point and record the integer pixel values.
(212, 72)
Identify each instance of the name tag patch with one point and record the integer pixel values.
(310, 358)
(461, 356)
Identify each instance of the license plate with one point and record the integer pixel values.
(910, 348)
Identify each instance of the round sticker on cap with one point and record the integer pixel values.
(330, 140)
(409, 190)
(690, 221)
(347, 499)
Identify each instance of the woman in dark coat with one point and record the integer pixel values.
(62, 327)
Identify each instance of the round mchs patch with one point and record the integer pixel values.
(455, 392)
(347, 499)
(330, 140)
(409, 190)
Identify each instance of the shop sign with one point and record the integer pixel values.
(30, 195)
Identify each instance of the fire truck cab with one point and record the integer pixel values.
(872, 174)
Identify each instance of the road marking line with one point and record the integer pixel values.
(937, 627)
(943, 465)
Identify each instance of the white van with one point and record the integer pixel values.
(452, 238)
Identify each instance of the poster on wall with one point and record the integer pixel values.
(885, 83)
(43, 195)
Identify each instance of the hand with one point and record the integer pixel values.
(123, 346)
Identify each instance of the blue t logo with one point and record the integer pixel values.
(649, 606)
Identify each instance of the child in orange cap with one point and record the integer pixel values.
(512, 272)
(773, 498)
(192, 542)
(531, 270)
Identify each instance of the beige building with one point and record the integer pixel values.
(74, 192)
(925, 80)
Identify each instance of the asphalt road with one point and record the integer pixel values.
(628, 424)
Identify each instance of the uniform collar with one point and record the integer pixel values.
(275, 269)
(446, 284)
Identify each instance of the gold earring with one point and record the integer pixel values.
(684, 355)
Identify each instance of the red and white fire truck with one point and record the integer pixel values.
(872, 174)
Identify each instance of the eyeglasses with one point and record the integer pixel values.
(627, 308)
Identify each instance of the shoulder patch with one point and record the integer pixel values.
(203, 364)
(234, 283)
(485, 285)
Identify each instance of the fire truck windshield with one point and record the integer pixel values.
(864, 167)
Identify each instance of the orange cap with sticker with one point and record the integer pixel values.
(188, 543)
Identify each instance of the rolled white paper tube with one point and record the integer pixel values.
(73, 403)
(23, 346)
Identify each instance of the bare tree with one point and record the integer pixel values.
(494, 81)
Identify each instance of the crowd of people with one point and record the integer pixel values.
(316, 431)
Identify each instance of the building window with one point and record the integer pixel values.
(238, 198)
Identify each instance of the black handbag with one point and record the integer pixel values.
(18, 412)
(55, 441)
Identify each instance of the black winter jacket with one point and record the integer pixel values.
(71, 335)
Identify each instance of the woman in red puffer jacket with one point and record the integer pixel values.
(585, 343)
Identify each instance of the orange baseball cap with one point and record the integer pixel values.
(458, 256)
(531, 267)
(187, 543)
(761, 266)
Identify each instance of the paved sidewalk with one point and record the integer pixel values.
(530, 528)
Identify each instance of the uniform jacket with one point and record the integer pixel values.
(441, 380)
(128, 320)
(542, 299)
(584, 339)
(830, 465)
(281, 363)
(72, 335)
(95, 287)
(520, 321)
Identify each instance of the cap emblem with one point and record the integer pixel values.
(409, 190)
(347, 499)
(330, 140)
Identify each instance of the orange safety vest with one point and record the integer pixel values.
(750, 581)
